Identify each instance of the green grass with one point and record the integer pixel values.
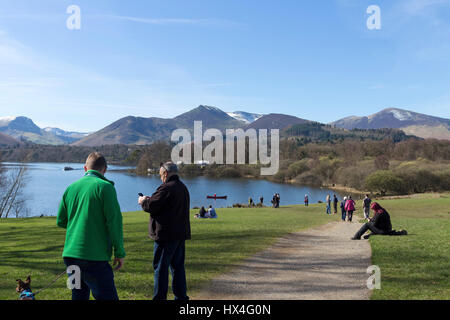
(34, 246)
(413, 267)
(416, 266)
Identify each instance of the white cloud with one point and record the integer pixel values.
(12, 51)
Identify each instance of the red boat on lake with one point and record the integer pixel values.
(215, 197)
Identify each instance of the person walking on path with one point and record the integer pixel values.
(90, 212)
(343, 212)
(170, 228)
(350, 208)
(335, 203)
(306, 200)
(366, 207)
(328, 201)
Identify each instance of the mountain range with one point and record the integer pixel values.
(24, 129)
(140, 131)
(410, 122)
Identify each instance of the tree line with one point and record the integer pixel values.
(380, 166)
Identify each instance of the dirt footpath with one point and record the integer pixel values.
(320, 263)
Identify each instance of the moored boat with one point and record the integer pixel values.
(216, 197)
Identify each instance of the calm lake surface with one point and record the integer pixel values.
(46, 183)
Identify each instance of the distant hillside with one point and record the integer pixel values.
(211, 117)
(131, 130)
(68, 135)
(17, 125)
(413, 123)
(276, 121)
(23, 128)
(7, 140)
(318, 132)
(140, 131)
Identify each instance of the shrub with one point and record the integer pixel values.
(444, 183)
(326, 168)
(190, 170)
(297, 168)
(381, 162)
(230, 172)
(309, 179)
(354, 176)
(420, 181)
(384, 182)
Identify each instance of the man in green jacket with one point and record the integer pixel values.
(90, 212)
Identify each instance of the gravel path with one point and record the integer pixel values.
(320, 263)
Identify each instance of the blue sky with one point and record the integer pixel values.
(313, 59)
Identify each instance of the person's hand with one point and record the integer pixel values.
(119, 263)
(142, 199)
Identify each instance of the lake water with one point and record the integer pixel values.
(46, 183)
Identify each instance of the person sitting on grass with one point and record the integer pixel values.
(201, 213)
(380, 224)
(212, 213)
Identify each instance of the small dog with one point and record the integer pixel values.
(24, 288)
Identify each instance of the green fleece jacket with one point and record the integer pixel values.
(90, 212)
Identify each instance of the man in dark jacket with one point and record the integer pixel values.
(169, 227)
(379, 224)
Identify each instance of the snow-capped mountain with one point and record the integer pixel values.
(62, 133)
(23, 128)
(414, 123)
(245, 116)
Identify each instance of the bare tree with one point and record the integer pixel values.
(12, 182)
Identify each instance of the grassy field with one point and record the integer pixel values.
(34, 246)
(416, 266)
(412, 267)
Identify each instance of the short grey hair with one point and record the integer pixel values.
(170, 167)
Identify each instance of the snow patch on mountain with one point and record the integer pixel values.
(5, 120)
(63, 133)
(245, 116)
(402, 115)
(211, 108)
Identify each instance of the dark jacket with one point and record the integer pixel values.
(169, 211)
(382, 221)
